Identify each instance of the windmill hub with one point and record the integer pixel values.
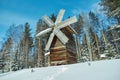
(52, 27)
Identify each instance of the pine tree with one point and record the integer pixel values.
(93, 43)
(78, 26)
(6, 54)
(15, 33)
(94, 21)
(53, 17)
(39, 44)
(111, 8)
(9, 49)
(27, 43)
(86, 30)
(114, 37)
(21, 53)
(2, 61)
(84, 50)
(110, 50)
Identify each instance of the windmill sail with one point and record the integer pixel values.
(67, 22)
(61, 36)
(49, 42)
(60, 16)
(44, 32)
(48, 21)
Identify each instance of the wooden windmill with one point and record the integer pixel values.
(61, 44)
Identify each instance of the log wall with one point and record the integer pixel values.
(61, 54)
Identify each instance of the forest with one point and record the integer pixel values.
(97, 38)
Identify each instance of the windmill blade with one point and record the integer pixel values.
(49, 41)
(61, 36)
(48, 21)
(60, 16)
(44, 32)
(66, 22)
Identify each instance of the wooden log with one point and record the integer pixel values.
(58, 58)
(71, 54)
(55, 49)
(63, 62)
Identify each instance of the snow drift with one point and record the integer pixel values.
(97, 70)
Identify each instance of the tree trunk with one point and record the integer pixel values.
(97, 43)
(39, 54)
(78, 47)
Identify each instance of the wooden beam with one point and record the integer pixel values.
(58, 48)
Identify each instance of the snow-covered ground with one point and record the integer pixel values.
(97, 70)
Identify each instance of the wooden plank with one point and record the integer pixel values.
(71, 60)
(57, 58)
(71, 55)
(71, 50)
(58, 54)
(60, 48)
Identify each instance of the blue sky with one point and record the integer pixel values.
(21, 11)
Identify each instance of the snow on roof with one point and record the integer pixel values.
(98, 70)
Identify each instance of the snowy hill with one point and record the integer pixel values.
(97, 70)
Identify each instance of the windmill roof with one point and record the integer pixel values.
(71, 30)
